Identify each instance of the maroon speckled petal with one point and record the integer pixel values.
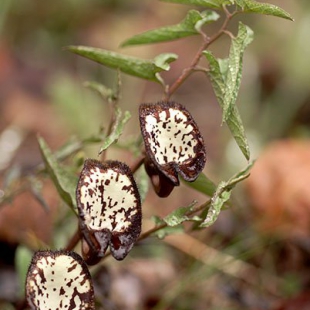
(109, 205)
(59, 280)
(172, 141)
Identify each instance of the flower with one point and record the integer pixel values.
(59, 280)
(173, 145)
(109, 208)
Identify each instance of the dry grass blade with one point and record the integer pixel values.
(225, 263)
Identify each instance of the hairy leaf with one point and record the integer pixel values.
(203, 185)
(162, 61)
(207, 18)
(166, 230)
(216, 76)
(222, 195)
(217, 73)
(64, 181)
(234, 123)
(252, 6)
(179, 216)
(169, 230)
(234, 72)
(215, 4)
(142, 68)
(185, 28)
(117, 129)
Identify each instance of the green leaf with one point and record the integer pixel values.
(23, 258)
(178, 216)
(157, 220)
(217, 73)
(215, 4)
(217, 76)
(185, 28)
(165, 230)
(251, 6)
(207, 18)
(105, 92)
(203, 185)
(234, 123)
(162, 61)
(145, 69)
(234, 72)
(117, 130)
(226, 74)
(36, 190)
(222, 195)
(240, 176)
(169, 230)
(64, 181)
(72, 146)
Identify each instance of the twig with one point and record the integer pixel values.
(73, 240)
(164, 225)
(207, 41)
(139, 162)
(156, 228)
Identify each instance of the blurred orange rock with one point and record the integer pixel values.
(278, 188)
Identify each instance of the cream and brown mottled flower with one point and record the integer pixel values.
(59, 280)
(109, 208)
(173, 144)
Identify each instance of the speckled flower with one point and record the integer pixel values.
(59, 280)
(109, 208)
(173, 144)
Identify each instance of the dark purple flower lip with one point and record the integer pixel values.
(59, 280)
(109, 208)
(173, 143)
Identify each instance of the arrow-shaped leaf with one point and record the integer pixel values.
(234, 72)
(142, 68)
(217, 72)
(185, 28)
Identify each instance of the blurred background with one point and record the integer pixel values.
(256, 256)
